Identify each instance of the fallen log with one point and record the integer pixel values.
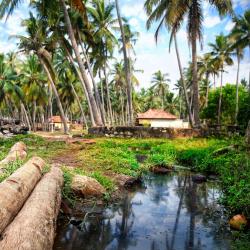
(16, 189)
(18, 151)
(35, 225)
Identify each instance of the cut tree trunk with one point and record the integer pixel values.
(18, 151)
(35, 225)
(16, 189)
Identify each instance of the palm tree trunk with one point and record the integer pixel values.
(220, 98)
(95, 110)
(80, 106)
(207, 89)
(196, 105)
(34, 116)
(237, 89)
(58, 101)
(108, 96)
(26, 116)
(82, 83)
(97, 96)
(127, 66)
(183, 82)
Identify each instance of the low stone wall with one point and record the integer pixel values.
(143, 132)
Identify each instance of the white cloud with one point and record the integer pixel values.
(211, 21)
(229, 25)
(134, 23)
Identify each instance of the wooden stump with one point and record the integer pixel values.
(34, 227)
(16, 189)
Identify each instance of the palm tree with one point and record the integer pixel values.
(127, 64)
(240, 37)
(157, 11)
(205, 67)
(160, 85)
(102, 19)
(221, 53)
(96, 112)
(33, 85)
(173, 13)
(36, 36)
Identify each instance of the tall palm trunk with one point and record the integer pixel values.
(207, 89)
(80, 106)
(196, 106)
(127, 66)
(183, 82)
(109, 107)
(58, 101)
(95, 110)
(26, 116)
(97, 96)
(220, 98)
(82, 84)
(34, 116)
(237, 89)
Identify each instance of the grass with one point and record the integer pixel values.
(119, 156)
(37, 146)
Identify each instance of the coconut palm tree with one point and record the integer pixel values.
(157, 11)
(96, 112)
(240, 38)
(127, 64)
(101, 17)
(160, 85)
(205, 67)
(33, 85)
(34, 41)
(173, 14)
(221, 53)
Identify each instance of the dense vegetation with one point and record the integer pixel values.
(69, 66)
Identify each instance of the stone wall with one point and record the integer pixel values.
(143, 132)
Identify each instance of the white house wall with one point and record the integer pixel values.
(169, 124)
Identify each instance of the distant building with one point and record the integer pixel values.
(55, 123)
(159, 118)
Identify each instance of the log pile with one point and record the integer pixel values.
(29, 205)
(35, 225)
(15, 190)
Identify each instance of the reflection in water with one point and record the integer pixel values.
(172, 213)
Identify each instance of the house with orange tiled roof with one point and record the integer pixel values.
(159, 118)
(55, 123)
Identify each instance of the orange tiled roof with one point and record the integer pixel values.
(156, 114)
(56, 119)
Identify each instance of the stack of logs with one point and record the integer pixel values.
(29, 203)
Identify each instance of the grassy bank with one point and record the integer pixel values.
(211, 156)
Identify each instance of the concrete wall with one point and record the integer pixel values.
(143, 132)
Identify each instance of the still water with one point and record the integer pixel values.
(169, 212)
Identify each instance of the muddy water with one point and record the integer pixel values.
(170, 212)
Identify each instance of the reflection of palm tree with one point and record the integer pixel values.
(178, 213)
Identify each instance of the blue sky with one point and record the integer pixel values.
(149, 56)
